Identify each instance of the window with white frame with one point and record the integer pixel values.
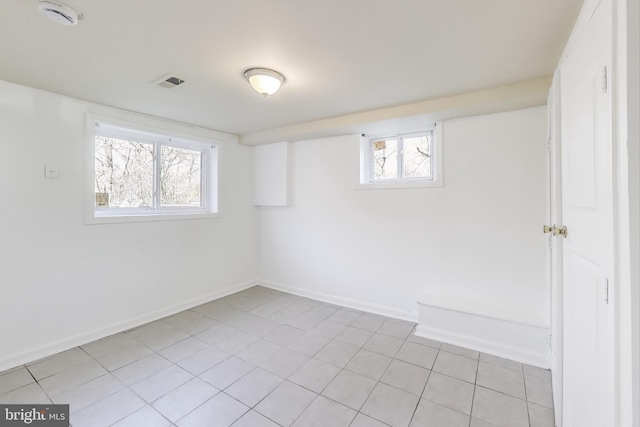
(137, 173)
(398, 161)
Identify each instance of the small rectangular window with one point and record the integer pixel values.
(138, 173)
(398, 161)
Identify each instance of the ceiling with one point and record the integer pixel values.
(340, 57)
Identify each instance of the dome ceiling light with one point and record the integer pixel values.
(264, 81)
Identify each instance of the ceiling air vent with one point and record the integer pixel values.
(169, 81)
(58, 12)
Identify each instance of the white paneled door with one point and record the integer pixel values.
(587, 200)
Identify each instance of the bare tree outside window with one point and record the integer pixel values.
(385, 159)
(416, 157)
(180, 177)
(404, 160)
(124, 170)
(404, 157)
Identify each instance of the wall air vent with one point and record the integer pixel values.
(169, 81)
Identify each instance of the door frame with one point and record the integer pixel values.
(555, 245)
(626, 156)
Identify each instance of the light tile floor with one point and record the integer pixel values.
(266, 358)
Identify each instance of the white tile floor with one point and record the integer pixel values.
(266, 358)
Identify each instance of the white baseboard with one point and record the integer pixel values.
(48, 349)
(503, 338)
(345, 302)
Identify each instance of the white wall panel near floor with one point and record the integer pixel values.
(64, 283)
(464, 326)
(477, 237)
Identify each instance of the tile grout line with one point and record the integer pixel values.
(526, 396)
(424, 388)
(473, 397)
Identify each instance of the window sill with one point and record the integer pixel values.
(148, 217)
(399, 185)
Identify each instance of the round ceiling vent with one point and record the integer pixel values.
(58, 12)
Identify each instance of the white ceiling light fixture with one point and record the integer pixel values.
(58, 12)
(264, 81)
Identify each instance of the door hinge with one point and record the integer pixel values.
(606, 291)
(549, 145)
(604, 80)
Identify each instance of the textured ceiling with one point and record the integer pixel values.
(339, 56)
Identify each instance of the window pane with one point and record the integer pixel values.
(385, 159)
(180, 177)
(416, 157)
(124, 173)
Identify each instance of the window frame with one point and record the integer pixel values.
(159, 137)
(367, 167)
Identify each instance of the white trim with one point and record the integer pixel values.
(48, 349)
(157, 128)
(627, 187)
(510, 340)
(345, 302)
(400, 184)
(150, 217)
(478, 306)
(555, 256)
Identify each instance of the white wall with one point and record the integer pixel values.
(271, 174)
(63, 282)
(478, 237)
